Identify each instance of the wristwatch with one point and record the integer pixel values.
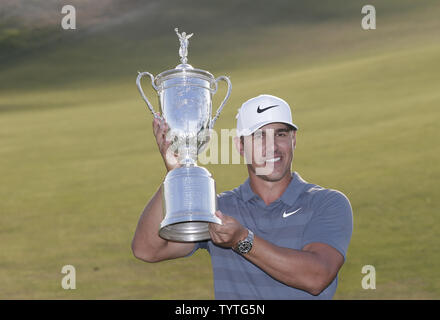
(245, 245)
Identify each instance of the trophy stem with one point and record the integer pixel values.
(188, 163)
(188, 156)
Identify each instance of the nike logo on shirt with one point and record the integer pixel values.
(285, 214)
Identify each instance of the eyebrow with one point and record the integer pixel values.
(286, 129)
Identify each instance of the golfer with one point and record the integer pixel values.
(281, 237)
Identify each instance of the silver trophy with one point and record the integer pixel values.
(185, 97)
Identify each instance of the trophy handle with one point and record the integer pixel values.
(224, 78)
(138, 83)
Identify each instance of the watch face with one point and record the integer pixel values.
(245, 246)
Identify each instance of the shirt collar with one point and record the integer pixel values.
(246, 191)
(289, 196)
(294, 189)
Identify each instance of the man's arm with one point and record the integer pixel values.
(311, 269)
(147, 245)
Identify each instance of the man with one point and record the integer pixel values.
(280, 237)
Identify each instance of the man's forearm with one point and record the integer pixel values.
(296, 268)
(146, 239)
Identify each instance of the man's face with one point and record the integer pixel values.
(269, 151)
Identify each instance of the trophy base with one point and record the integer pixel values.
(186, 231)
(189, 203)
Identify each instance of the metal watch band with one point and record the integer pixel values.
(245, 245)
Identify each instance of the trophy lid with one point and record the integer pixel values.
(180, 72)
(184, 66)
(184, 69)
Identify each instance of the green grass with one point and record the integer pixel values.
(78, 162)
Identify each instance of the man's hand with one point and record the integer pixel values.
(229, 233)
(160, 129)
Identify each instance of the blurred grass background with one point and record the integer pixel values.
(78, 161)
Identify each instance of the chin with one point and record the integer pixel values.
(272, 177)
(275, 176)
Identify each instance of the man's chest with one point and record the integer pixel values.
(281, 224)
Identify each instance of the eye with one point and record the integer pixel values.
(258, 135)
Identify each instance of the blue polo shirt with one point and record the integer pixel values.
(305, 213)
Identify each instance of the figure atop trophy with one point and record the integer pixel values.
(183, 51)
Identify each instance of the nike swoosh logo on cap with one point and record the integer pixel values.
(285, 215)
(259, 110)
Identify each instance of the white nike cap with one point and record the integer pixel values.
(262, 110)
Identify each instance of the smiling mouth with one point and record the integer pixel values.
(273, 159)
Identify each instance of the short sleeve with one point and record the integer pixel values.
(331, 223)
(199, 245)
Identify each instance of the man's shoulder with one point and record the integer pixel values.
(230, 200)
(228, 195)
(319, 195)
(331, 218)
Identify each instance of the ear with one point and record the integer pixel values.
(239, 146)
(294, 139)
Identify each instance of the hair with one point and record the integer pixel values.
(290, 128)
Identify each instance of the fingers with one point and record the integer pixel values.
(219, 227)
(214, 229)
(219, 214)
(217, 236)
(160, 129)
(214, 236)
(156, 124)
(227, 233)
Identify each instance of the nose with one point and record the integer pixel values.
(270, 145)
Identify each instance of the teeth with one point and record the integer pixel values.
(273, 160)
